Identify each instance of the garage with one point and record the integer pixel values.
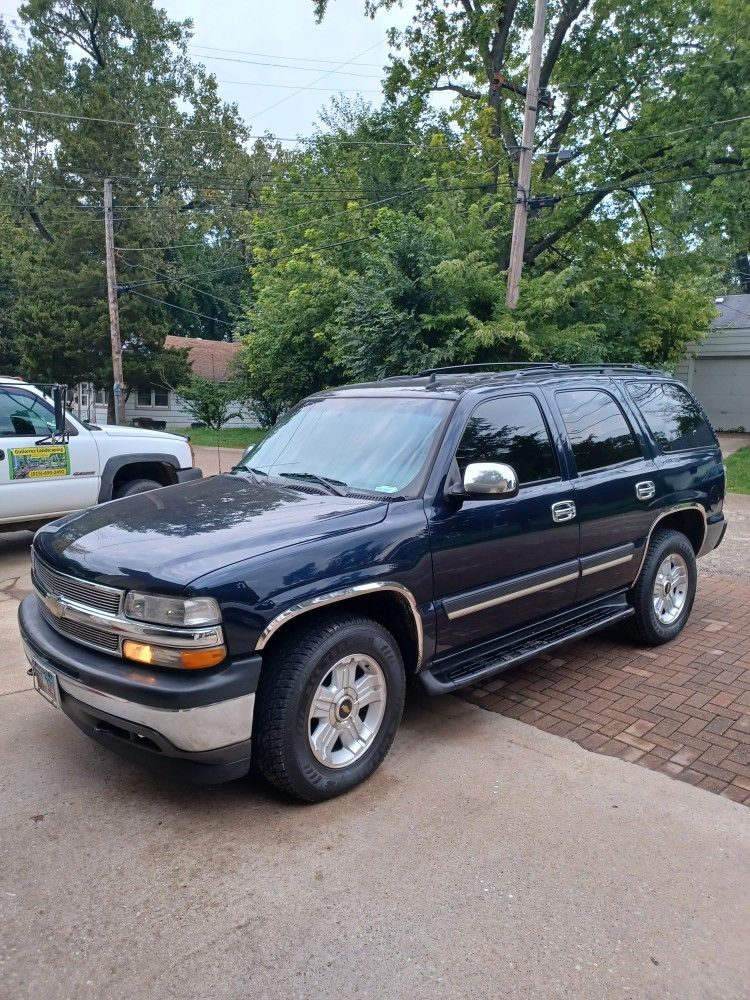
(718, 368)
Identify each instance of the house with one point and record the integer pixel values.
(718, 368)
(160, 406)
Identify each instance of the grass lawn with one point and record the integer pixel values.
(228, 437)
(738, 471)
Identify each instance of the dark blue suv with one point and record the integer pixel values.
(442, 527)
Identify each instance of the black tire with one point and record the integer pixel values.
(291, 677)
(645, 626)
(134, 486)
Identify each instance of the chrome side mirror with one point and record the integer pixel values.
(490, 479)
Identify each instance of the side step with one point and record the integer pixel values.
(530, 642)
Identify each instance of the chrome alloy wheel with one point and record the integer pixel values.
(670, 589)
(347, 710)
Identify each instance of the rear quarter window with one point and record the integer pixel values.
(673, 416)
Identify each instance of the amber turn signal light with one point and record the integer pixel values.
(187, 659)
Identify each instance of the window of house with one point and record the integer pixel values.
(153, 396)
(673, 415)
(511, 430)
(598, 430)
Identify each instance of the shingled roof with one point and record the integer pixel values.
(209, 358)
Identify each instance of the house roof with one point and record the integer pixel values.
(208, 358)
(734, 312)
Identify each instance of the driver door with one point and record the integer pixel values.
(503, 562)
(42, 479)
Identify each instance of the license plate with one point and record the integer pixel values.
(45, 682)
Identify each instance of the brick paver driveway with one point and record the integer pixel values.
(683, 708)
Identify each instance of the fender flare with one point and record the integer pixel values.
(113, 465)
(345, 594)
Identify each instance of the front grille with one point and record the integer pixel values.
(86, 634)
(91, 595)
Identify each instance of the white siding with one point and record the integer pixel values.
(175, 415)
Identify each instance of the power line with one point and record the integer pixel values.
(169, 278)
(271, 55)
(290, 86)
(298, 69)
(306, 222)
(127, 289)
(266, 137)
(318, 79)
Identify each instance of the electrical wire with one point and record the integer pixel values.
(271, 55)
(318, 79)
(297, 69)
(171, 305)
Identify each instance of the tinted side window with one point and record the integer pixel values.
(597, 429)
(673, 416)
(24, 415)
(510, 430)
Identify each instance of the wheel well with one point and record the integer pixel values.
(691, 523)
(386, 607)
(162, 472)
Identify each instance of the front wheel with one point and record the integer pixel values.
(135, 486)
(664, 593)
(328, 706)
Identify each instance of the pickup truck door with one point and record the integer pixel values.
(502, 563)
(39, 480)
(617, 487)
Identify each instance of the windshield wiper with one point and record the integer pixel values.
(335, 486)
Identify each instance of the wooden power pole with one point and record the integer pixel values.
(518, 238)
(114, 309)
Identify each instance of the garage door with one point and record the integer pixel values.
(723, 387)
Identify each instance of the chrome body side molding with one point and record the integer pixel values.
(345, 594)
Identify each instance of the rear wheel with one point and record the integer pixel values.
(134, 486)
(664, 593)
(328, 707)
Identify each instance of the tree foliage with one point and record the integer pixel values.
(209, 402)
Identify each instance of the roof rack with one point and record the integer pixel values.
(502, 365)
(521, 368)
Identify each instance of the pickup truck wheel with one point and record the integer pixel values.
(328, 707)
(664, 593)
(135, 486)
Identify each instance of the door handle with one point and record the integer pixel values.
(645, 490)
(564, 510)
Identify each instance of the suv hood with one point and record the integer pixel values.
(165, 539)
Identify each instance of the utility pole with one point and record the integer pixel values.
(114, 310)
(518, 238)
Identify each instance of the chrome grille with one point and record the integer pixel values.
(91, 595)
(88, 635)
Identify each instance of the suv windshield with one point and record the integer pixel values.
(372, 444)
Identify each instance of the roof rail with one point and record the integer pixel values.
(502, 365)
(521, 368)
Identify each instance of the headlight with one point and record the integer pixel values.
(176, 611)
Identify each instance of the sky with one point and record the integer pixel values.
(284, 32)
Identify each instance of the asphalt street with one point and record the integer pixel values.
(485, 859)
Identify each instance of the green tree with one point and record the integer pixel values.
(182, 181)
(211, 403)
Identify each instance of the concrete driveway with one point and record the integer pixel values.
(485, 859)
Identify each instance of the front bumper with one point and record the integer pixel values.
(188, 475)
(191, 725)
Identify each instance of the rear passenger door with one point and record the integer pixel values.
(616, 487)
(502, 562)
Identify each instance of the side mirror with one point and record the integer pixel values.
(488, 480)
(58, 399)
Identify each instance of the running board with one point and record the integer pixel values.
(442, 679)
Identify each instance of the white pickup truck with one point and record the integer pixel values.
(52, 464)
